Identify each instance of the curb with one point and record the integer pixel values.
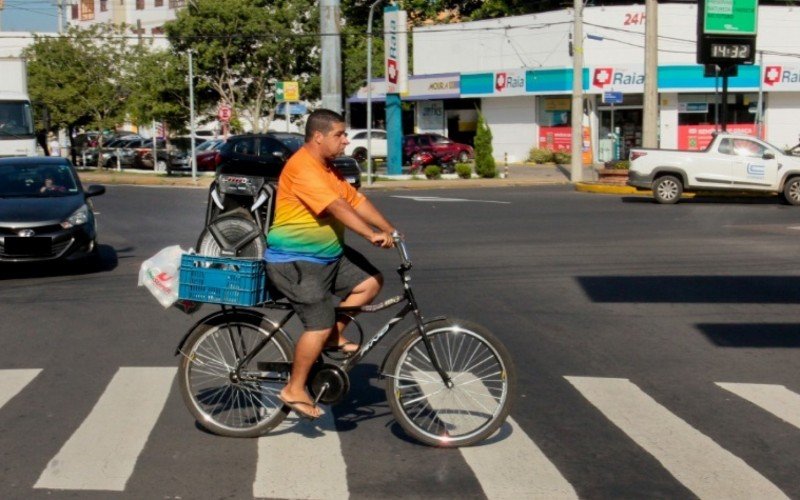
(598, 188)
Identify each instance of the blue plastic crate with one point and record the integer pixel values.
(222, 280)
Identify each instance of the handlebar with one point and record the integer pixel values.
(401, 249)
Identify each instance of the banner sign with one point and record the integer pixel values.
(430, 117)
(698, 137)
(781, 77)
(395, 42)
(730, 17)
(616, 78)
(559, 139)
(509, 82)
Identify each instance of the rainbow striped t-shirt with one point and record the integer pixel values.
(302, 229)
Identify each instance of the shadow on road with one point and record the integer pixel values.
(752, 334)
(692, 289)
(709, 199)
(105, 261)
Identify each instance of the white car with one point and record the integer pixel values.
(358, 144)
(731, 162)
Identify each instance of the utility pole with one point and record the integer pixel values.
(60, 4)
(329, 11)
(369, 89)
(650, 122)
(577, 94)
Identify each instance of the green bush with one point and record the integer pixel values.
(464, 170)
(433, 172)
(484, 161)
(562, 158)
(540, 155)
(618, 164)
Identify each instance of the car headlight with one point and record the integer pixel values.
(78, 217)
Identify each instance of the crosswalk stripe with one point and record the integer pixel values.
(693, 458)
(508, 464)
(514, 467)
(776, 399)
(102, 453)
(13, 381)
(301, 459)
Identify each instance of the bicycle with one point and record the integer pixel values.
(449, 382)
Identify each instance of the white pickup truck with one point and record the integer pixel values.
(731, 162)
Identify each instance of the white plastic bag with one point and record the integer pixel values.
(160, 273)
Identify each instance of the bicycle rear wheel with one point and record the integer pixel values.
(222, 402)
(480, 368)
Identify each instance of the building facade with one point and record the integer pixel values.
(519, 70)
(146, 17)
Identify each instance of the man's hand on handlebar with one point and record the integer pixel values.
(382, 239)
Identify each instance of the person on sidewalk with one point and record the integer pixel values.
(306, 257)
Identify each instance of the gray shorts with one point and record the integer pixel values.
(310, 286)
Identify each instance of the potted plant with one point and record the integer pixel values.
(614, 172)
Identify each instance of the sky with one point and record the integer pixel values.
(29, 15)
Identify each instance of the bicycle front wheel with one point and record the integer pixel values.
(224, 402)
(483, 377)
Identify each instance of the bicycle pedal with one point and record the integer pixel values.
(322, 390)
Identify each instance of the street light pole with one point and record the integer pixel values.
(191, 115)
(369, 90)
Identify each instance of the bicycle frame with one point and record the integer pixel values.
(409, 306)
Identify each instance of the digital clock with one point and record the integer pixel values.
(733, 51)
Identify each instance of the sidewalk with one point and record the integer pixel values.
(513, 175)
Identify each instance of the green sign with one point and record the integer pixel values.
(730, 17)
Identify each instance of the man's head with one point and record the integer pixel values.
(325, 133)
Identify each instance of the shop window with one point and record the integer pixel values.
(103, 5)
(159, 3)
(74, 8)
(176, 4)
(139, 4)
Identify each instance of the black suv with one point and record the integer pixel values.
(266, 154)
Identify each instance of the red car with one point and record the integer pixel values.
(445, 150)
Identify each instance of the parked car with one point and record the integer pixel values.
(266, 154)
(172, 156)
(440, 146)
(89, 141)
(122, 153)
(358, 144)
(207, 154)
(45, 214)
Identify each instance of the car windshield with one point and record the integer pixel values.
(32, 180)
(15, 119)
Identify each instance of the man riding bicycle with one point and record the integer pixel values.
(306, 257)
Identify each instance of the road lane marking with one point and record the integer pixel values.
(13, 381)
(776, 399)
(694, 459)
(508, 464)
(102, 453)
(301, 459)
(437, 198)
(514, 467)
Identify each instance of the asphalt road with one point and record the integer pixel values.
(638, 332)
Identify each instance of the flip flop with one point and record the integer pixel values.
(341, 348)
(295, 406)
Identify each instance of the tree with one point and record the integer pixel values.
(83, 77)
(242, 47)
(161, 90)
(484, 161)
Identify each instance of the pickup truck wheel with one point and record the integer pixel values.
(668, 189)
(791, 191)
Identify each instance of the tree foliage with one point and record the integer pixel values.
(83, 77)
(484, 161)
(161, 90)
(242, 47)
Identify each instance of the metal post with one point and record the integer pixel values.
(191, 114)
(725, 99)
(331, 55)
(288, 114)
(155, 145)
(650, 125)
(60, 16)
(760, 109)
(369, 90)
(577, 94)
(716, 98)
